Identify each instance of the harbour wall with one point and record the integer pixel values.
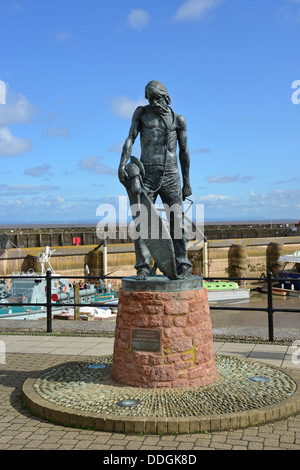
(231, 257)
(31, 237)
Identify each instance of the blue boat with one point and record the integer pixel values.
(290, 273)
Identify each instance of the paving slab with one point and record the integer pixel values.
(277, 355)
(45, 435)
(16, 422)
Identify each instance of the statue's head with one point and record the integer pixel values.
(157, 95)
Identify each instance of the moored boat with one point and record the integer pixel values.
(30, 288)
(225, 291)
(289, 275)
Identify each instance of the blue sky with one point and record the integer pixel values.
(74, 71)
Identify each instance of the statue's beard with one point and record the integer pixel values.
(160, 108)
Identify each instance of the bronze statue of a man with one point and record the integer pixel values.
(160, 129)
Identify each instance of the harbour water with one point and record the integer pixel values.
(237, 324)
(255, 323)
(7, 310)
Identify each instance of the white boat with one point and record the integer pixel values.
(87, 313)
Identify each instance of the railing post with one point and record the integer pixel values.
(48, 297)
(76, 301)
(270, 306)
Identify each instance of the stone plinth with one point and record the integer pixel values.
(163, 335)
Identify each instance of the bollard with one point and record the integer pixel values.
(237, 261)
(274, 251)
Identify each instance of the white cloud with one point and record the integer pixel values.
(289, 11)
(38, 170)
(16, 110)
(215, 198)
(124, 107)
(217, 201)
(116, 148)
(2, 92)
(195, 9)
(11, 146)
(285, 195)
(62, 131)
(281, 203)
(17, 189)
(33, 208)
(258, 198)
(11, 7)
(228, 179)
(94, 165)
(215, 204)
(289, 196)
(138, 19)
(201, 151)
(61, 36)
(295, 179)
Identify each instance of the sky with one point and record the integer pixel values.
(73, 72)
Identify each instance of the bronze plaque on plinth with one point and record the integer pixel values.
(144, 339)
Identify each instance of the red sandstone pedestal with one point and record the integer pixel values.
(163, 335)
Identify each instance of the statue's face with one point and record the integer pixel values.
(157, 103)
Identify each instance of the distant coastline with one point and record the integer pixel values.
(15, 226)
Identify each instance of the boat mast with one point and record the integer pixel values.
(44, 258)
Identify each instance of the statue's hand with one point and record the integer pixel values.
(186, 191)
(136, 187)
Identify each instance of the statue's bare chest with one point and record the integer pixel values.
(157, 129)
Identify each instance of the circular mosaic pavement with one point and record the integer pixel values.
(241, 385)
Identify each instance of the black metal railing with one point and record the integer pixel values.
(269, 308)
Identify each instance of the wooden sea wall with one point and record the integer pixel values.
(250, 257)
